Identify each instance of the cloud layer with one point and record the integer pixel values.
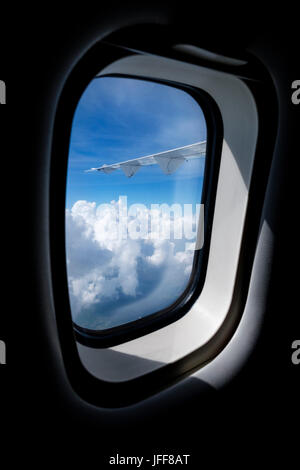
(114, 279)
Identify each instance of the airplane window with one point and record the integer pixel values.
(134, 200)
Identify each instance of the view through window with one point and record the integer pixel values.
(131, 222)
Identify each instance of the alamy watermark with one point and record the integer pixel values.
(296, 94)
(2, 92)
(2, 352)
(160, 222)
(296, 354)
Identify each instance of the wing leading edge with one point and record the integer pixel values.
(168, 161)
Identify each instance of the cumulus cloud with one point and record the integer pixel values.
(118, 273)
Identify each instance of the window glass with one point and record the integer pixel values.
(131, 222)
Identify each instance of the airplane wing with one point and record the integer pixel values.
(168, 161)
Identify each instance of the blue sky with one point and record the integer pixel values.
(118, 119)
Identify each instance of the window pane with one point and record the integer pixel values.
(131, 228)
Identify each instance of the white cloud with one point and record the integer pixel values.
(137, 276)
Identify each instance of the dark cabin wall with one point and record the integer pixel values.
(38, 408)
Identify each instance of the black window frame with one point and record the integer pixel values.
(94, 390)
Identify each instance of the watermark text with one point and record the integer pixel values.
(156, 460)
(296, 94)
(2, 352)
(159, 222)
(296, 354)
(2, 92)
